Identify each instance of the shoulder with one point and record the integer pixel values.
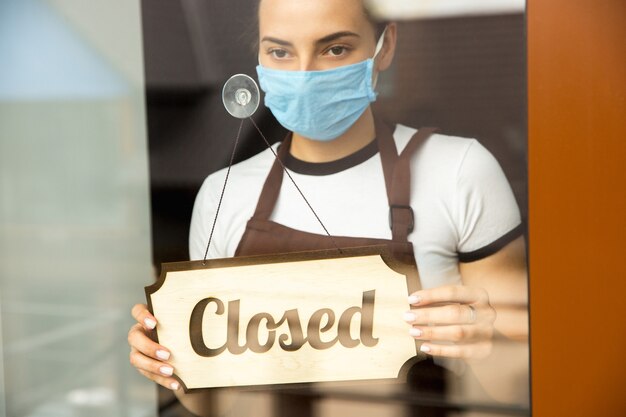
(249, 168)
(248, 173)
(245, 181)
(442, 155)
(437, 144)
(456, 164)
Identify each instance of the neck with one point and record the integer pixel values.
(358, 136)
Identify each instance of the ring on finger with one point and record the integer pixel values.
(472, 310)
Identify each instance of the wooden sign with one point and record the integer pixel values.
(302, 317)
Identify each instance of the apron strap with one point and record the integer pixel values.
(388, 152)
(397, 171)
(273, 182)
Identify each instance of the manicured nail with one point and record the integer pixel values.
(162, 354)
(425, 348)
(174, 386)
(150, 324)
(166, 370)
(414, 299)
(409, 317)
(415, 332)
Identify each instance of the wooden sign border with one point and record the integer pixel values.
(408, 270)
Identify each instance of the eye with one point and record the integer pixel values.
(338, 50)
(278, 53)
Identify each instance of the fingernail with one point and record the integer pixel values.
(166, 370)
(425, 348)
(162, 354)
(150, 324)
(409, 317)
(414, 299)
(415, 332)
(174, 386)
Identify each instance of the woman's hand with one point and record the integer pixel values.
(149, 357)
(453, 321)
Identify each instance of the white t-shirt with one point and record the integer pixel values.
(464, 207)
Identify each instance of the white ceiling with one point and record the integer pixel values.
(418, 9)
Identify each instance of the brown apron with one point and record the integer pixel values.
(263, 236)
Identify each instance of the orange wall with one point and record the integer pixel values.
(577, 206)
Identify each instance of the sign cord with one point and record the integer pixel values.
(296, 185)
(219, 204)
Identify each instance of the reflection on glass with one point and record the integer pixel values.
(74, 231)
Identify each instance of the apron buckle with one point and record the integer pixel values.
(411, 225)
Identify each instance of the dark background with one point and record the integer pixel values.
(466, 75)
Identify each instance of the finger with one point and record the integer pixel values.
(138, 340)
(449, 294)
(143, 362)
(457, 334)
(448, 314)
(465, 351)
(169, 383)
(142, 315)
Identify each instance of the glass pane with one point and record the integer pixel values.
(74, 207)
(457, 65)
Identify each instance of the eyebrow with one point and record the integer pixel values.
(325, 39)
(337, 35)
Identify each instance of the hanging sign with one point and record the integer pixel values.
(300, 317)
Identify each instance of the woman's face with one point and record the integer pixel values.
(312, 35)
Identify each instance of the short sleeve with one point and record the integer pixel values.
(489, 217)
(201, 219)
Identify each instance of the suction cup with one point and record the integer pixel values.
(241, 96)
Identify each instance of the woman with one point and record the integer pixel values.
(319, 61)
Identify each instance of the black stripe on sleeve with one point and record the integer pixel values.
(493, 247)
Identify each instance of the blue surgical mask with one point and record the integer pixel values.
(320, 105)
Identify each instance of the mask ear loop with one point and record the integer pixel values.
(379, 44)
(379, 47)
